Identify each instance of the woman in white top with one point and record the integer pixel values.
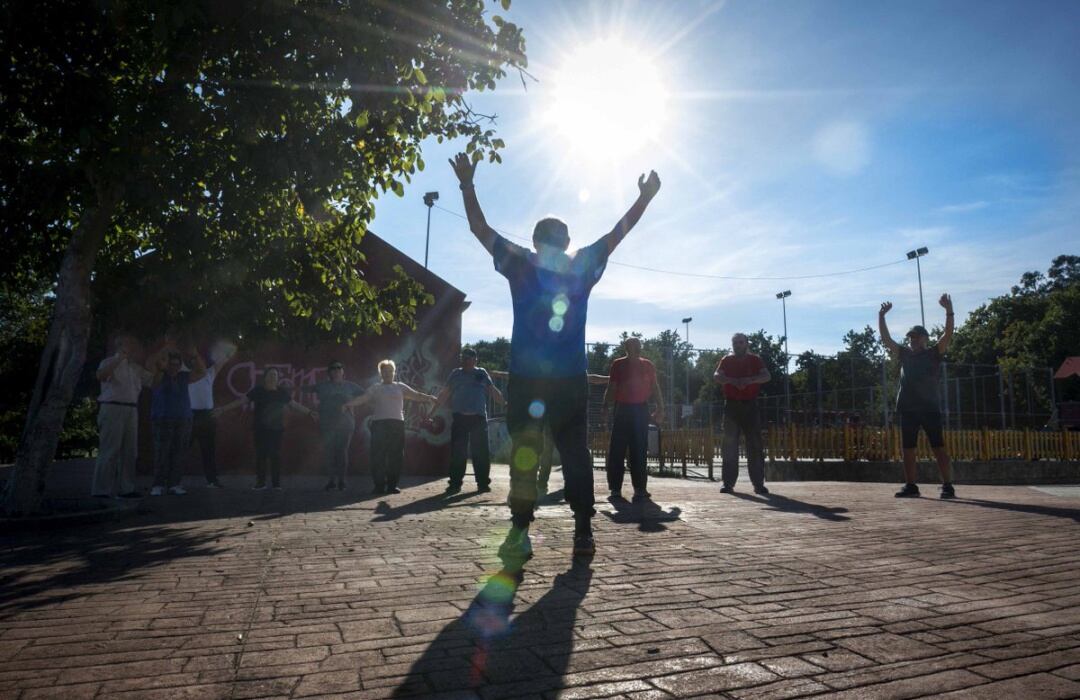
(388, 426)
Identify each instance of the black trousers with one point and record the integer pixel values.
(469, 431)
(204, 431)
(387, 452)
(336, 436)
(560, 404)
(629, 433)
(741, 417)
(267, 452)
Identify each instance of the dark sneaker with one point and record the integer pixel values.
(761, 490)
(483, 489)
(393, 489)
(947, 491)
(516, 549)
(616, 495)
(584, 545)
(379, 489)
(909, 491)
(642, 495)
(452, 489)
(341, 486)
(330, 485)
(727, 489)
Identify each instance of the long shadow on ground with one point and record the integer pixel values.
(384, 512)
(483, 648)
(1034, 509)
(791, 505)
(649, 516)
(42, 569)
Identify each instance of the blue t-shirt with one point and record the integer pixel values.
(550, 307)
(170, 399)
(468, 390)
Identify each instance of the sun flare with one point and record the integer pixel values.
(608, 101)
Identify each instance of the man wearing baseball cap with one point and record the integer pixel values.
(468, 389)
(918, 402)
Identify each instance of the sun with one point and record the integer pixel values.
(608, 100)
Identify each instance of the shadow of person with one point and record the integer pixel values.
(39, 569)
(1032, 508)
(649, 516)
(384, 512)
(791, 505)
(484, 647)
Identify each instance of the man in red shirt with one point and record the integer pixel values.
(631, 384)
(741, 374)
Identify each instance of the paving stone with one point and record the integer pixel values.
(887, 648)
(1040, 686)
(333, 595)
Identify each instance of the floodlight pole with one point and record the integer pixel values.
(429, 200)
(687, 321)
(782, 296)
(916, 254)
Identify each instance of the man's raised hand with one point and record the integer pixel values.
(886, 307)
(464, 168)
(648, 186)
(946, 302)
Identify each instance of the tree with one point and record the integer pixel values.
(492, 354)
(243, 143)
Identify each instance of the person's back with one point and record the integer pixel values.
(550, 297)
(548, 386)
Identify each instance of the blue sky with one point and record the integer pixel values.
(797, 138)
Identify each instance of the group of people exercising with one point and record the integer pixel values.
(547, 394)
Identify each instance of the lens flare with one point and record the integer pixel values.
(537, 409)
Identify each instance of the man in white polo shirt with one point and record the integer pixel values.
(203, 422)
(122, 379)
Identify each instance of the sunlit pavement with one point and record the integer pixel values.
(820, 588)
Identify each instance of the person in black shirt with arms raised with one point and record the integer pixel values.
(917, 403)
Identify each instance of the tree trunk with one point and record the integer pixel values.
(61, 361)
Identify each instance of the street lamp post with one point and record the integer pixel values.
(915, 255)
(782, 296)
(687, 321)
(429, 200)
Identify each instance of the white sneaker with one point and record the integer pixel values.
(157, 491)
(256, 487)
(177, 491)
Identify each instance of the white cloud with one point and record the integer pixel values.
(843, 147)
(962, 208)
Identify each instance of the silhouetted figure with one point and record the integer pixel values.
(917, 402)
(741, 374)
(631, 383)
(548, 385)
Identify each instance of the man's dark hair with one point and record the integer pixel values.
(468, 352)
(173, 355)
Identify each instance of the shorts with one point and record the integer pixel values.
(930, 421)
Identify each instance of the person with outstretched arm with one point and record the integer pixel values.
(269, 398)
(387, 425)
(467, 390)
(918, 401)
(550, 291)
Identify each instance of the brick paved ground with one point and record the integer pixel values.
(825, 588)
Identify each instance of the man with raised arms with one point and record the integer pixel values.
(918, 401)
(550, 292)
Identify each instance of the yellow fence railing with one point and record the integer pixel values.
(682, 448)
(883, 444)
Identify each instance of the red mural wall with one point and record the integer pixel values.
(424, 358)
